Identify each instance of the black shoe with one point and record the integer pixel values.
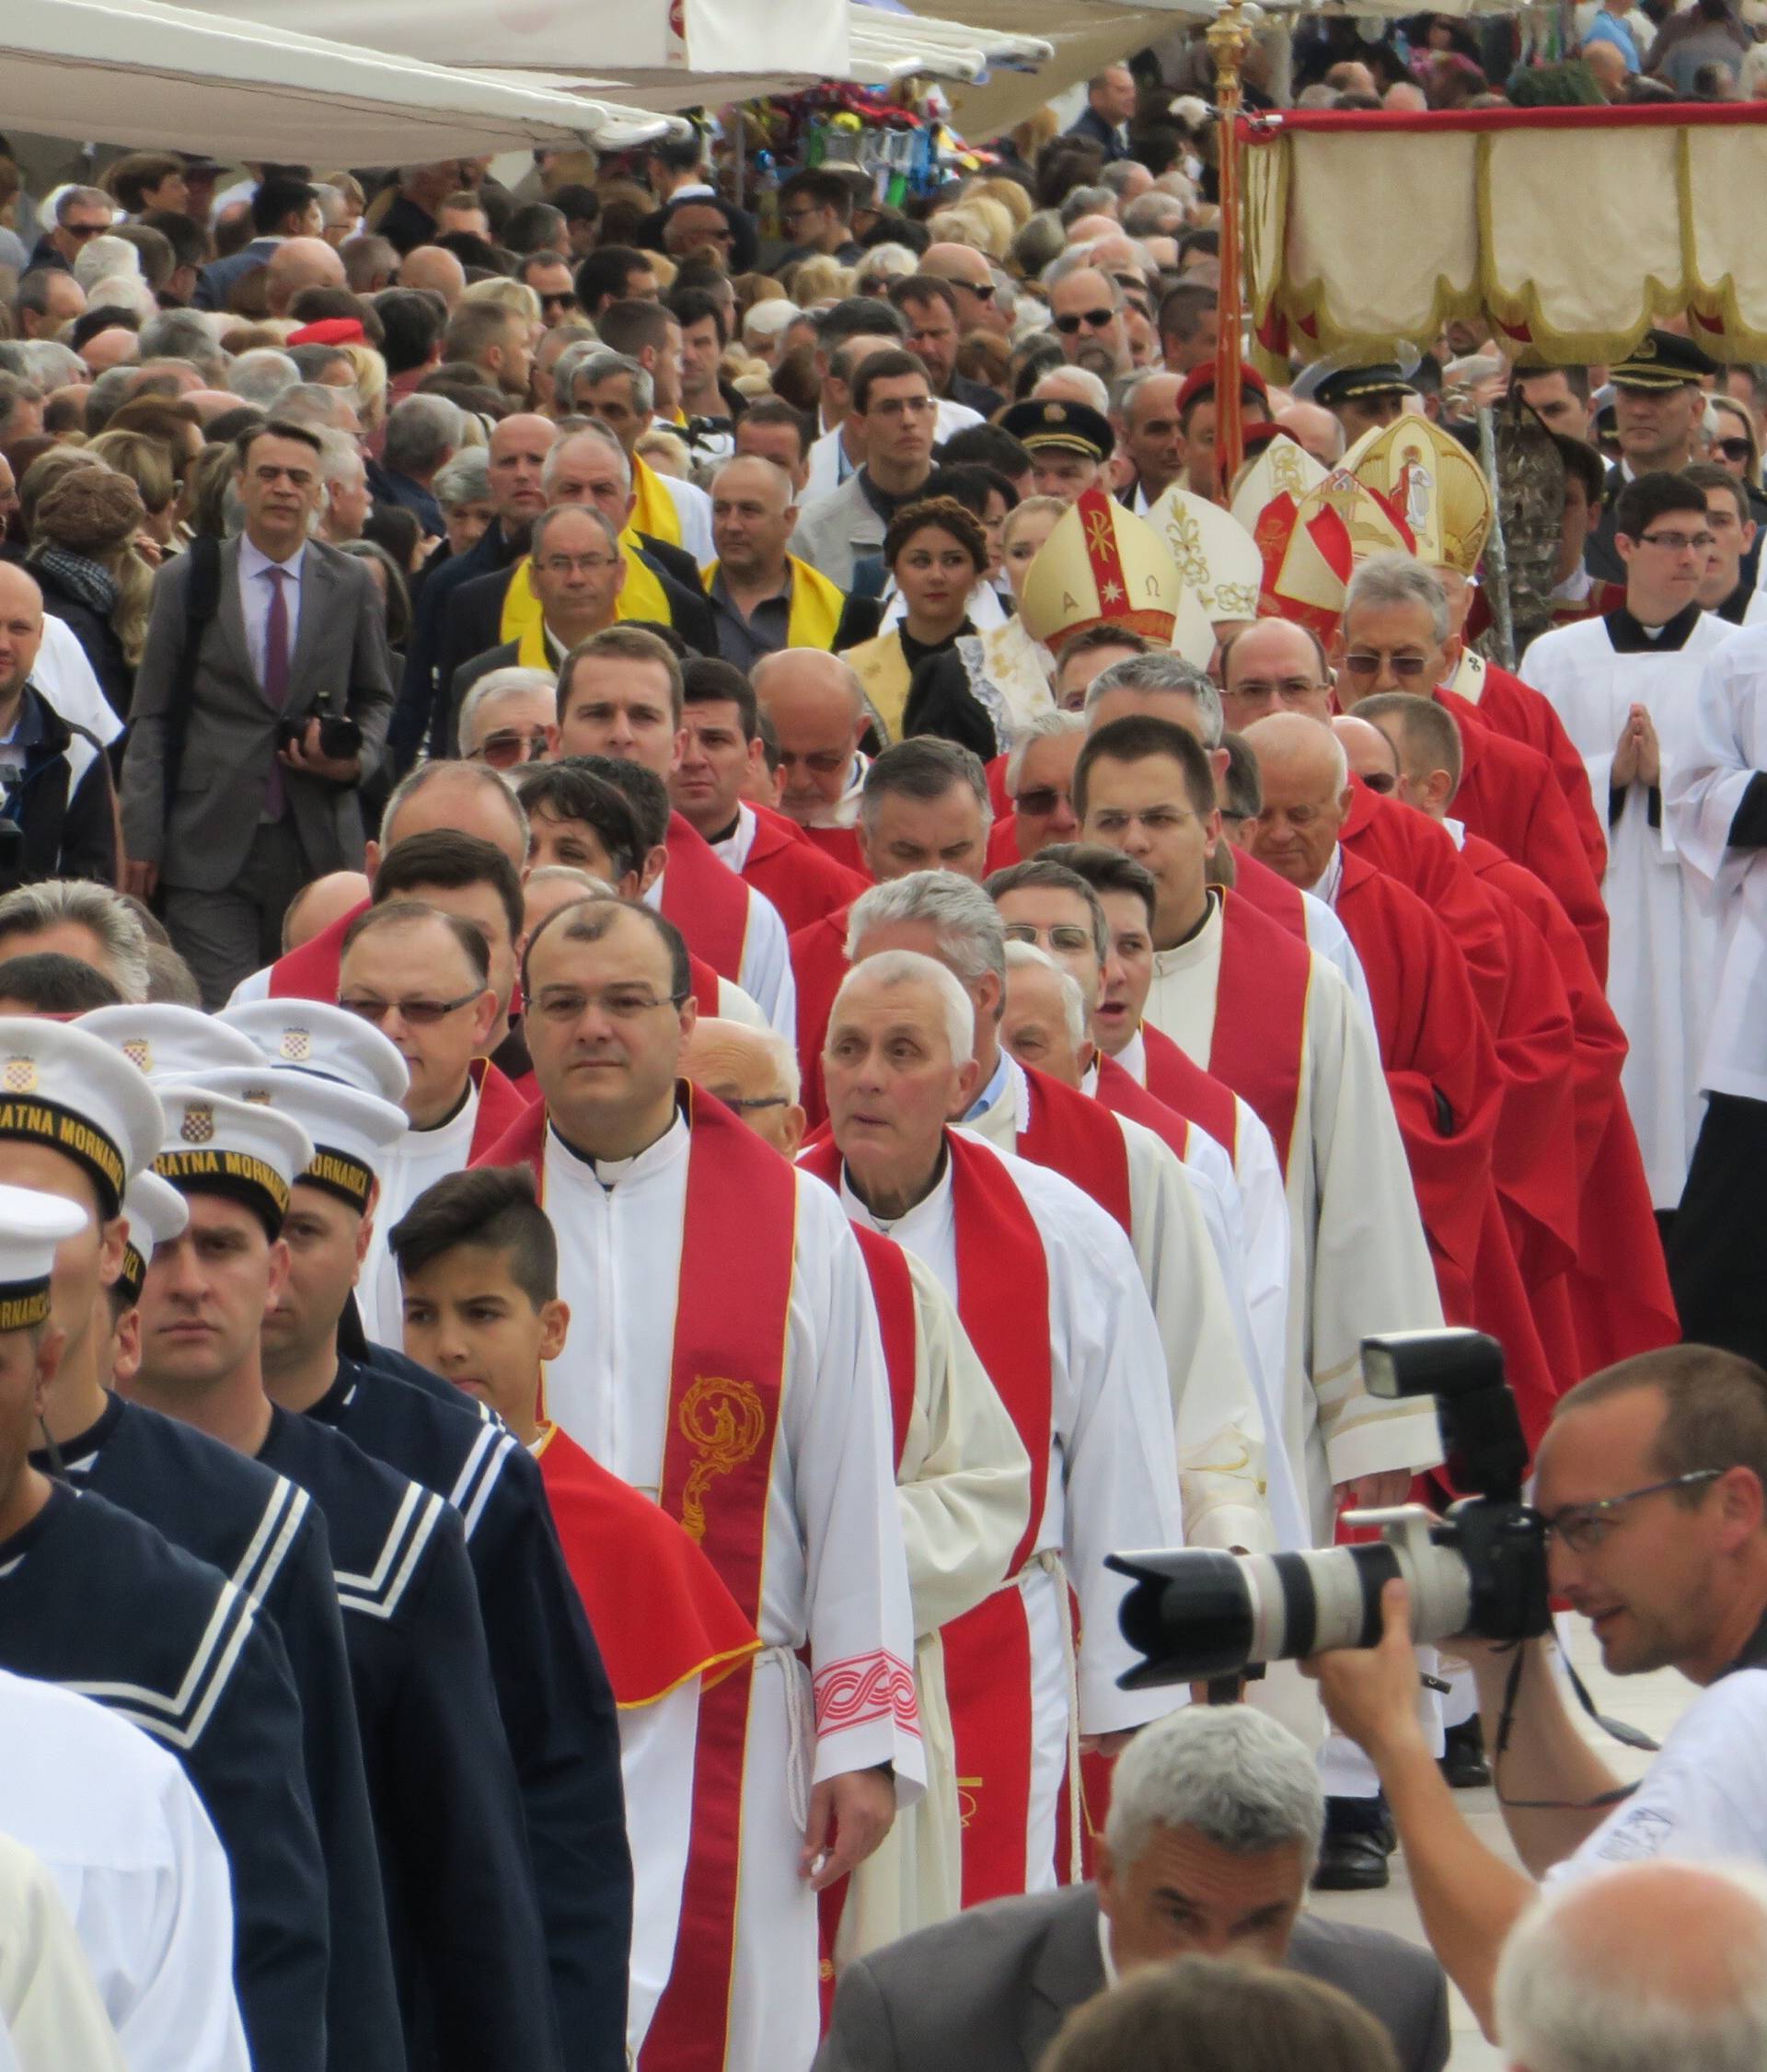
(1462, 1760)
(1359, 1837)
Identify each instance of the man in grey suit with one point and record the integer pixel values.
(895, 410)
(1214, 1823)
(237, 789)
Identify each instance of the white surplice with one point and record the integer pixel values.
(964, 1482)
(1726, 752)
(1112, 1483)
(834, 1573)
(418, 1159)
(138, 1867)
(1360, 1263)
(1662, 960)
(1217, 1421)
(765, 972)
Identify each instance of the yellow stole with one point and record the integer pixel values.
(815, 608)
(523, 621)
(883, 668)
(653, 510)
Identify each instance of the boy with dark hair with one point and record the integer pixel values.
(478, 1262)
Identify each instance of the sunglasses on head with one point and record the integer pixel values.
(1099, 319)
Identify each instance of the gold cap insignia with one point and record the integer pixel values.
(21, 1075)
(198, 1126)
(140, 1053)
(297, 1045)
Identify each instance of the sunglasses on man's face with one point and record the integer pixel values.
(1098, 319)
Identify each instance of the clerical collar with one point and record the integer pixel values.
(429, 1129)
(724, 834)
(991, 1092)
(1330, 880)
(1190, 934)
(1631, 636)
(610, 1172)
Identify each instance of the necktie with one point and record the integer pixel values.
(276, 681)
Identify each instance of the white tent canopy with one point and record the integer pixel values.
(136, 71)
(887, 43)
(665, 43)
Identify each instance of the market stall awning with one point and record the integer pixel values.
(1661, 216)
(138, 72)
(892, 43)
(666, 44)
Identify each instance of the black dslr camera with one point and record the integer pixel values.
(1197, 1615)
(340, 735)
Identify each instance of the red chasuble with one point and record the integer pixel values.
(1260, 1016)
(1076, 1138)
(1510, 707)
(1509, 795)
(842, 844)
(1003, 1301)
(1180, 1084)
(728, 1370)
(311, 972)
(818, 965)
(1260, 886)
(655, 1605)
(705, 899)
(802, 881)
(501, 1106)
(1618, 1287)
(1440, 1064)
(1412, 847)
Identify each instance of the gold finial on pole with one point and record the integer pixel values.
(1229, 37)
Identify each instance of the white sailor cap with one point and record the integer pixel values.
(311, 1035)
(167, 1041)
(157, 1214)
(31, 1226)
(63, 1087)
(351, 1130)
(215, 1144)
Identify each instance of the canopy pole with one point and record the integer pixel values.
(1497, 549)
(1228, 35)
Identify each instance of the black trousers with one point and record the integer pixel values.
(1716, 1255)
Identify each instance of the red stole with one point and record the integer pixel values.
(1003, 1301)
(1260, 886)
(501, 1104)
(1076, 1138)
(658, 1611)
(818, 965)
(705, 984)
(1179, 1083)
(311, 972)
(893, 1293)
(842, 844)
(800, 880)
(727, 1375)
(1260, 1000)
(1510, 707)
(705, 899)
(1124, 1096)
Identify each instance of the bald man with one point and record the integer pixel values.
(297, 263)
(971, 281)
(1372, 756)
(317, 906)
(753, 1072)
(1671, 1955)
(1315, 430)
(763, 597)
(433, 267)
(817, 712)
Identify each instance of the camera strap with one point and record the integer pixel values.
(1505, 1722)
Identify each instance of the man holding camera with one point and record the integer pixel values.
(261, 706)
(1649, 1486)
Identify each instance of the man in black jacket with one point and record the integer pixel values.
(58, 819)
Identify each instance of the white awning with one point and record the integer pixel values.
(139, 73)
(889, 43)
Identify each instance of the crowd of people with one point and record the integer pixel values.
(711, 965)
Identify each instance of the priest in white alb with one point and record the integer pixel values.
(963, 1480)
(1048, 1293)
(726, 1361)
(1626, 687)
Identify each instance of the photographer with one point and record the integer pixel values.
(262, 704)
(57, 816)
(1650, 1482)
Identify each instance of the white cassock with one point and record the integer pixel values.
(1111, 1484)
(1254, 1263)
(765, 973)
(1662, 960)
(139, 1869)
(1360, 1263)
(1215, 1415)
(52, 2019)
(1327, 937)
(834, 1572)
(418, 1159)
(1726, 750)
(964, 1482)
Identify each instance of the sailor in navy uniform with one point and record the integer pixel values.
(468, 1949)
(558, 1711)
(100, 1602)
(261, 1531)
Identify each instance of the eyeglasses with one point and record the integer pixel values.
(743, 1103)
(419, 1013)
(565, 301)
(1382, 781)
(1406, 668)
(1098, 319)
(1583, 1527)
(1732, 449)
(1677, 542)
(825, 762)
(1069, 939)
(1157, 820)
(570, 564)
(902, 406)
(509, 746)
(1042, 799)
(618, 1003)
